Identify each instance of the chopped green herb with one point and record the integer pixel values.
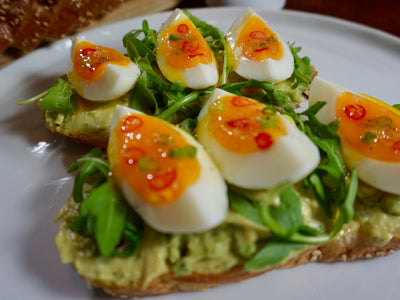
(368, 138)
(147, 164)
(174, 37)
(186, 151)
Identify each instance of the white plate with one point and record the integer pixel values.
(33, 162)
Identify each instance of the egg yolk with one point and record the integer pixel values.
(155, 160)
(90, 60)
(183, 45)
(369, 126)
(258, 42)
(242, 125)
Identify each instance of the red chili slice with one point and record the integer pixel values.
(183, 28)
(131, 123)
(258, 35)
(264, 140)
(160, 181)
(195, 55)
(87, 51)
(241, 101)
(355, 111)
(238, 123)
(132, 154)
(261, 49)
(396, 147)
(190, 46)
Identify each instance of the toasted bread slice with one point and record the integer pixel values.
(373, 233)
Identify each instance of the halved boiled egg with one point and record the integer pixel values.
(165, 174)
(183, 55)
(254, 146)
(100, 73)
(257, 51)
(369, 130)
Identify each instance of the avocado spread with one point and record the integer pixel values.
(214, 251)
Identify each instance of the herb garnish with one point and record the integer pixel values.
(103, 214)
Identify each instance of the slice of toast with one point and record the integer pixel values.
(373, 233)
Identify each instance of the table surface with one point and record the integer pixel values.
(379, 14)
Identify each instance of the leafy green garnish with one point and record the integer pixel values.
(273, 253)
(59, 98)
(302, 74)
(103, 214)
(397, 106)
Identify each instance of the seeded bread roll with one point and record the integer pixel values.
(25, 24)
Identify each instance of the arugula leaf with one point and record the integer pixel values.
(397, 106)
(109, 212)
(288, 213)
(243, 205)
(302, 74)
(104, 215)
(189, 125)
(273, 253)
(59, 98)
(94, 167)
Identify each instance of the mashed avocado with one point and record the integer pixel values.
(90, 120)
(214, 251)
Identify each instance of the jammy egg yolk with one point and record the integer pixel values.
(154, 159)
(369, 126)
(258, 42)
(183, 45)
(244, 126)
(90, 60)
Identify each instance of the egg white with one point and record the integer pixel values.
(201, 207)
(383, 175)
(197, 77)
(113, 83)
(291, 158)
(270, 70)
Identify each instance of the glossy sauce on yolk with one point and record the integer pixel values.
(258, 42)
(370, 127)
(242, 125)
(140, 153)
(183, 45)
(90, 60)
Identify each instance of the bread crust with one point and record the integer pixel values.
(350, 247)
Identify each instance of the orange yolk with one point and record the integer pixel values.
(90, 60)
(244, 126)
(258, 42)
(369, 126)
(143, 156)
(183, 45)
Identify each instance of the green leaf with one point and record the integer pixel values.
(283, 219)
(272, 254)
(397, 106)
(93, 167)
(189, 125)
(302, 74)
(142, 98)
(59, 98)
(106, 206)
(243, 205)
(288, 213)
